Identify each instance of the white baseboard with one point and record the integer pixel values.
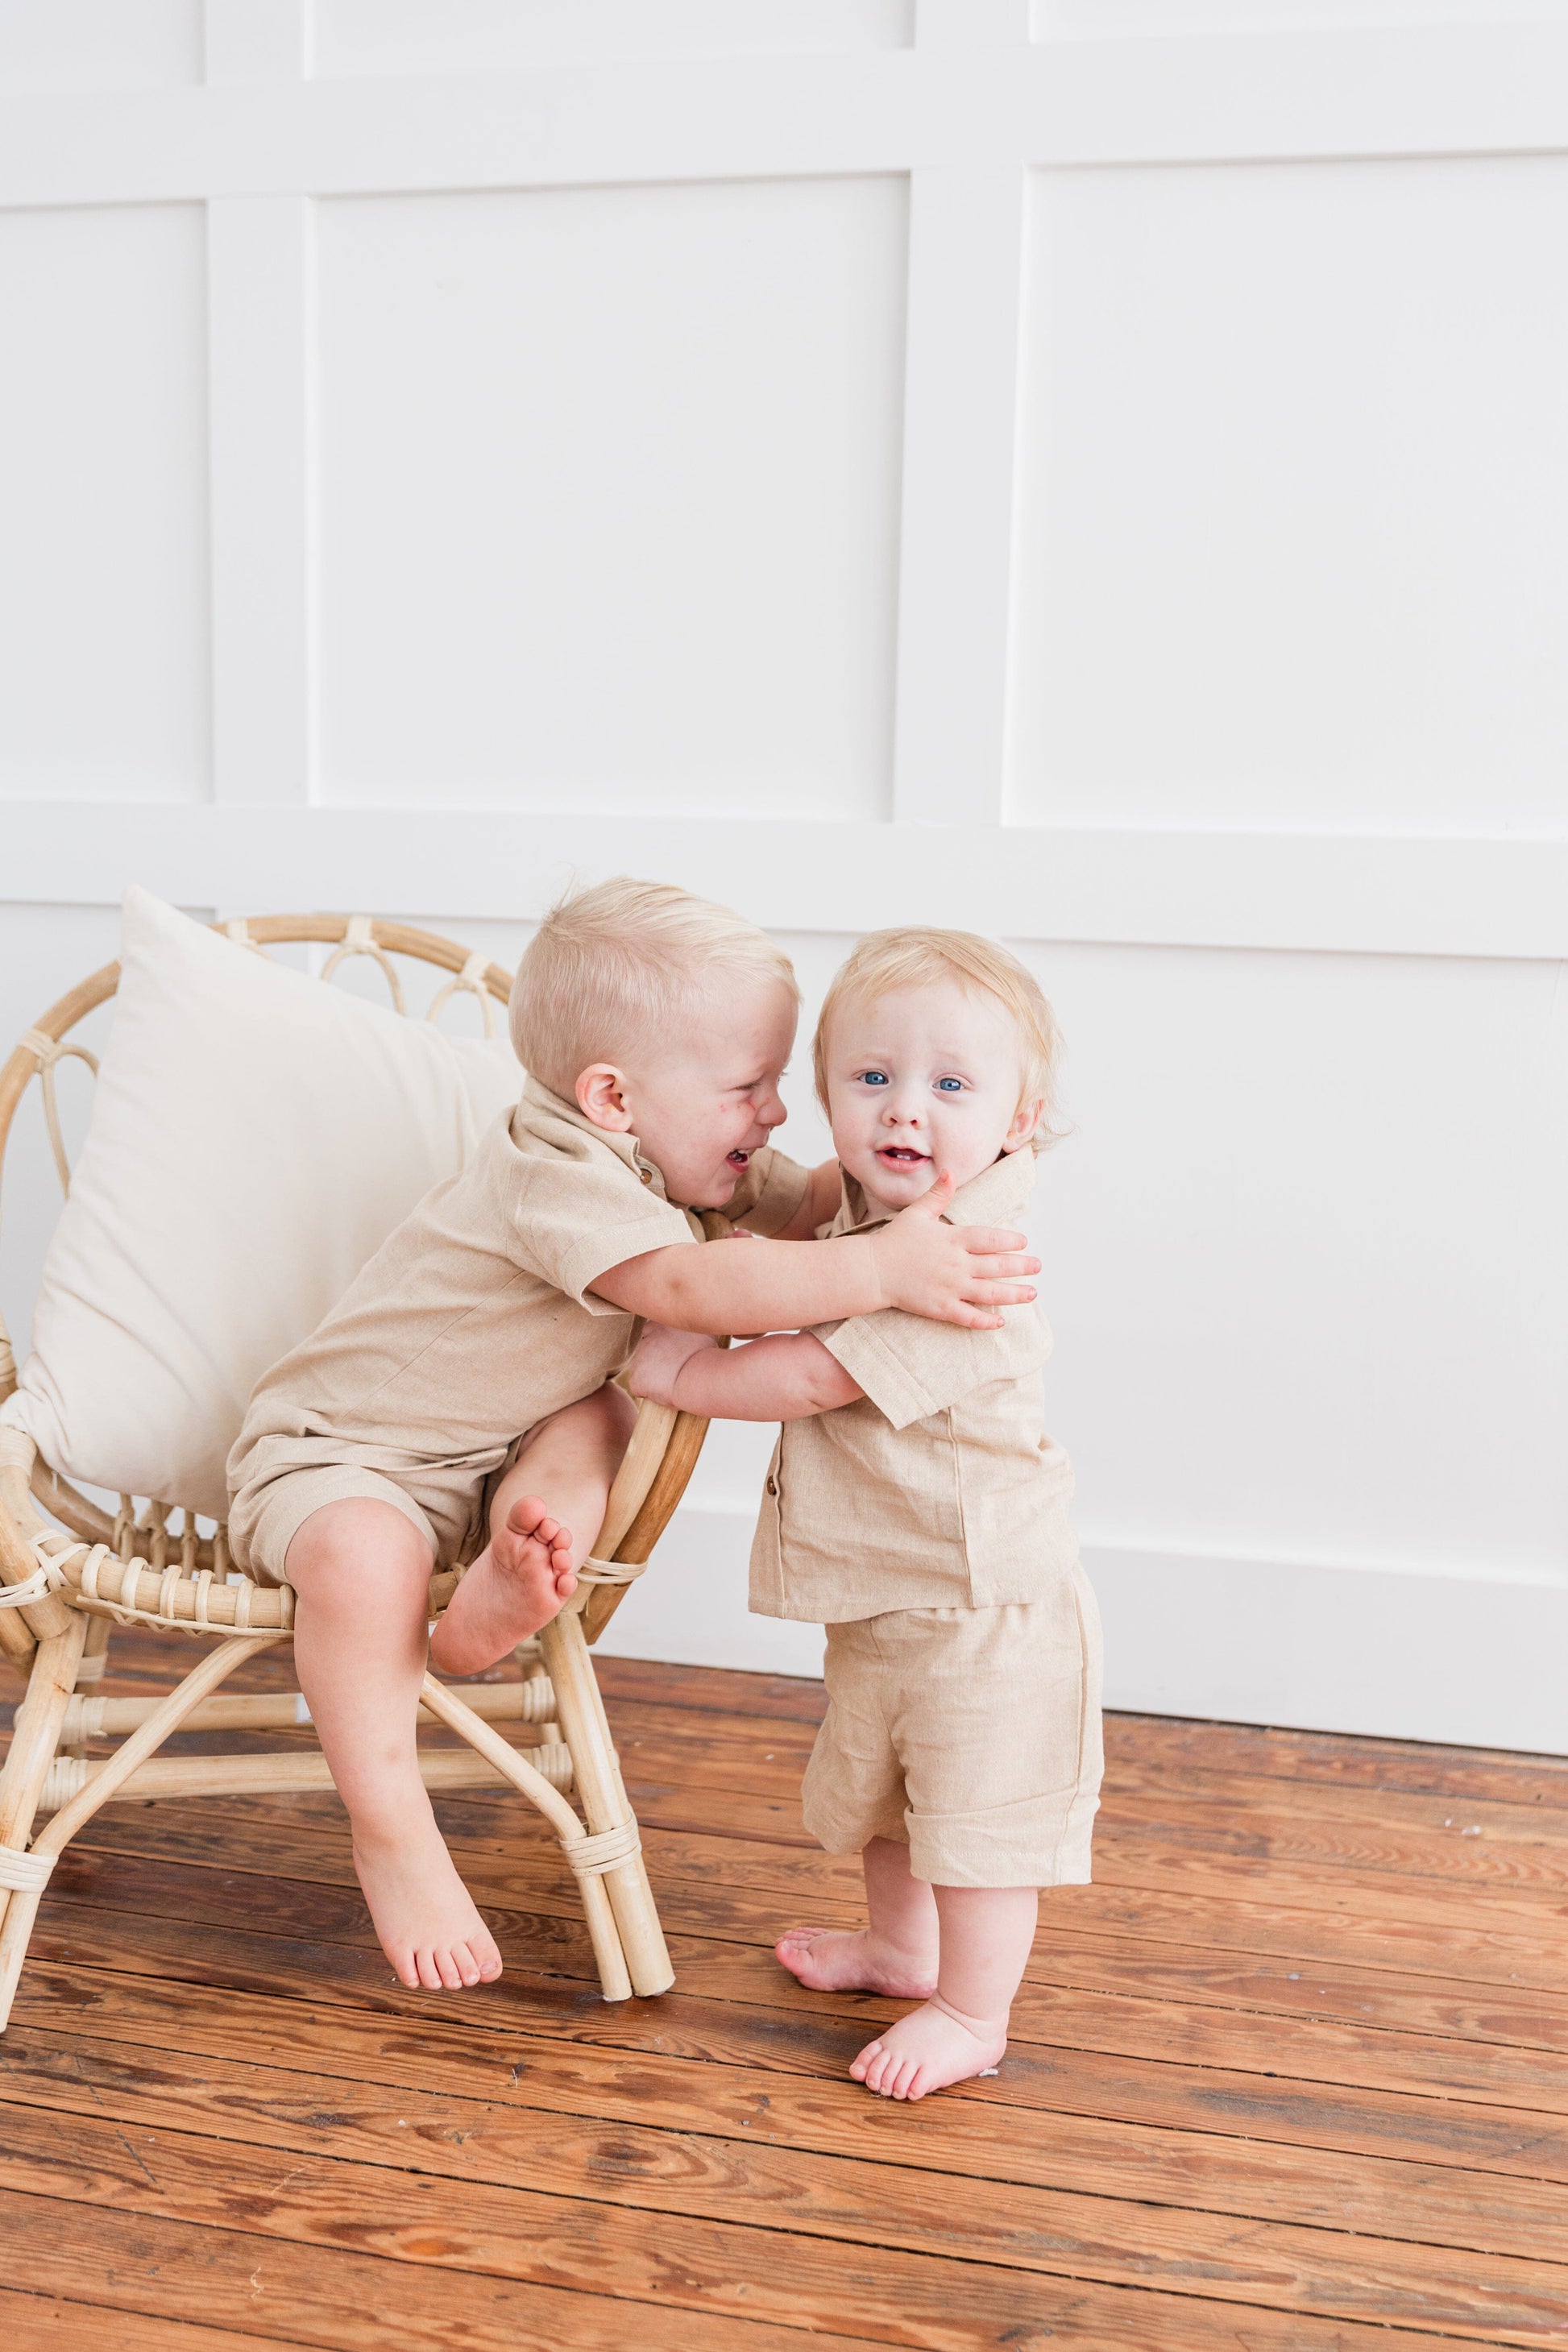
(1393, 1653)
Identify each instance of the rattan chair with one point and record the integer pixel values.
(68, 1573)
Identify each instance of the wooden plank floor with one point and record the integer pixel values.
(1291, 2076)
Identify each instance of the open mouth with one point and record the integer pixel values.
(898, 1155)
(738, 1159)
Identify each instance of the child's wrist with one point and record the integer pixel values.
(883, 1290)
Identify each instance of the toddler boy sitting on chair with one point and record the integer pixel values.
(915, 1506)
(457, 1391)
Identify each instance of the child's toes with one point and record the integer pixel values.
(872, 2065)
(458, 1970)
(485, 1953)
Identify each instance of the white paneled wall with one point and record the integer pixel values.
(657, 554)
(1091, 471)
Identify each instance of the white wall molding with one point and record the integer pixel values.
(1419, 90)
(1396, 1652)
(261, 335)
(1341, 894)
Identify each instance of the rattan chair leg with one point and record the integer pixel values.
(17, 1642)
(34, 1739)
(580, 1711)
(614, 1977)
(22, 1909)
(89, 1674)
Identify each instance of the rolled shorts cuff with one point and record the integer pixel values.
(262, 1530)
(985, 1849)
(1009, 1850)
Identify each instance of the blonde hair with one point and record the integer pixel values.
(611, 970)
(887, 960)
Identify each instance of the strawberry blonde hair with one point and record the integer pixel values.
(612, 971)
(889, 961)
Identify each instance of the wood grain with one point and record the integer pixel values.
(1292, 2074)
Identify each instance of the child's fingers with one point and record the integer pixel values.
(1003, 1261)
(992, 1241)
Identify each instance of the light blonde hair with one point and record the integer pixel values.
(887, 960)
(612, 969)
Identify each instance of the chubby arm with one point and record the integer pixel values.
(951, 1273)
(785, 1378)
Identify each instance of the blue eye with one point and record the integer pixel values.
(951, 1086)
(874, 1078)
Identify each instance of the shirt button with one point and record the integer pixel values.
(646, 1174)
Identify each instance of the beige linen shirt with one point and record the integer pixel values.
(939, 1487)
(477, 1318)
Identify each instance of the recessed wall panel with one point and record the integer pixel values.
(372, 36)
(609, 496)
(1294, 498)
(1305, 1258)
(104, 665)
(62, 45)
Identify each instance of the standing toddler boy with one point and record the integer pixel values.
(915, 1506)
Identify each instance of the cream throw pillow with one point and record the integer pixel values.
(256, 1135)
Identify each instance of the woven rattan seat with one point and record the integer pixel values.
(70, 1572)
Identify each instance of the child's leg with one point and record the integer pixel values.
(360, 1572)
(896, 1954)
(986, 1935)
(526, 1570)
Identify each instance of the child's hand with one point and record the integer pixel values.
(953, 1273)
(657, 1361)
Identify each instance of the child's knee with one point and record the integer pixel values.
(343, 1541)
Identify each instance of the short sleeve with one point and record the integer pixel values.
(572, 1219)
(769, 1194)
(910, 1368)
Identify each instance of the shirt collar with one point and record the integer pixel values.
(999, 1191)
(538, 1098)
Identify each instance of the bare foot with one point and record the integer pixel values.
(518, 1583)
(928, 2050)
(828, 1960)
(429, 1926)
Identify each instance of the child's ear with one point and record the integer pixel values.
(1026, 1119)
(601, 1097)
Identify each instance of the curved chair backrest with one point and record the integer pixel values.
(665, 1444)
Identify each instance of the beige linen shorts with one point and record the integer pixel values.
(266, 1515)
(450, 1504)
(973, 1735)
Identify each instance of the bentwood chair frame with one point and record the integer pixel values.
(68, 1573)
